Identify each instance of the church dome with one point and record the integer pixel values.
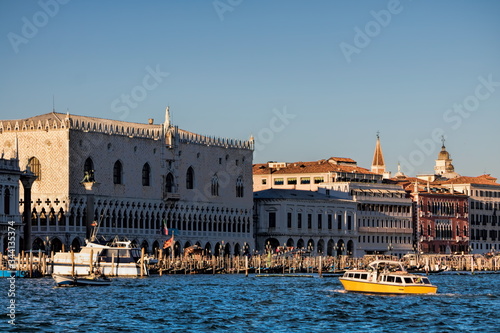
(443, 154)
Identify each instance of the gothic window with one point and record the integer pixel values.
(43, 217)
(52, 217)
(169, 183)
(215, 186)
(6, 202)
(117, 173)
(239, 187)
(88, 170)
(34, 165)
(146, 175)
(190, 178)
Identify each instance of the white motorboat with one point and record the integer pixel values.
(118, 258)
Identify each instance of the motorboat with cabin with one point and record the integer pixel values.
(116, 258)
(386, 277)
(101, 257)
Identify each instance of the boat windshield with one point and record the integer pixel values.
(387, 266)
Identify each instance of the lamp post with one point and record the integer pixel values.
(47, 244)
(67, 237)
(342, 263)
(389, 248)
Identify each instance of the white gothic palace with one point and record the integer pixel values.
(131, 178)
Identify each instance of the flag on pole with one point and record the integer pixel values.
(165, 229)
(168, 243)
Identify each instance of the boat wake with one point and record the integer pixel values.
(340, 291)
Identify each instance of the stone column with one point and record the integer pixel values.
(27, 179)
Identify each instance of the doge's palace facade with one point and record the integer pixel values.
(132, 178)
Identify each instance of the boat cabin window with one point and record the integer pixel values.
(408, 280)
(136, 253)
(364, 276)
(122, 253)
(390, 278)
(357, 275)
(398, 279)
(426, 280)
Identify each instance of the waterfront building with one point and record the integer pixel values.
(308, 176)
(377, 219)
(383, 216)
(474, 226)
(441, 219)
(10, 219)
(484, 203)
(130, 178)
(306, 220)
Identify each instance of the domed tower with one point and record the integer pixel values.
(443, 167)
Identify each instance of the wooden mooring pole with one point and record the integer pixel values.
(142, 261)
(72, 262)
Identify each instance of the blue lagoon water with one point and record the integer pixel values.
(235, 303)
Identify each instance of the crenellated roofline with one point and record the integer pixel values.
(61, 121)
(193, 138)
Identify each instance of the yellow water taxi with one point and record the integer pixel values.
(386, 277)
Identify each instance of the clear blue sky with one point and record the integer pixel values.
(309, 79)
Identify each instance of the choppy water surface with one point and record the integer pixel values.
(235, 303)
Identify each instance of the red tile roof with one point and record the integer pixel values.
(321, 166)
(342, 159)
(482, 180)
